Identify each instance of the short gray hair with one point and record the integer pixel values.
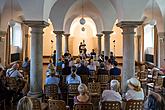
(114, 85)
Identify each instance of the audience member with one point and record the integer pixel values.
(54, 57)
(112, 57)
(135, 91)
(83, 70)
(26, 65)
(113, 94)
(108, 65)
(115, 70)
(5, 93)
(83, 96)
(93, 54)
(14, 72)
(91, 65)
(25, 103)
(154, 102)
(78, 64)
(59, 66)
(66, 69)
(73, 77)
(1, 65)
(102, 70)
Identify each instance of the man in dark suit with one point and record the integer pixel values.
(115, 70)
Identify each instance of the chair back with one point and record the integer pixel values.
(51, 91)
(103, 78)
(84, 78)
(36, 104)
(11, 82)
(134, 105)
(83, 106)
(73, 88)
(57, 105)
(94, 87)
(110, 105)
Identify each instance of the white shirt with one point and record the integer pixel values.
(111, 95)
(13, 73)
(134, 95)
(70, 80)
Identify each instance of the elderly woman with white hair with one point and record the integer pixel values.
(83, 96)
(113, 94)
(135, 91)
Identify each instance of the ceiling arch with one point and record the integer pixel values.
(92, 13)
(126, 9)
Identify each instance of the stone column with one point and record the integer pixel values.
(99, 43)
(161, 48)
(107, 42)
(58, 44)
(128, 70)
(36, 64)
(66, 42)
(2, 47)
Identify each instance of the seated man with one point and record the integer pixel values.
(115, 70)
(73, 77)
(135, 91)
(13, 72)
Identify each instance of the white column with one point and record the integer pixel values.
(161, 49)
(58, 44)
(66, 42)
(2, 47)
(36, 63)
(99, 43)
(107, 42)
(128, 70)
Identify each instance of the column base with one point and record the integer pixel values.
(35, 94)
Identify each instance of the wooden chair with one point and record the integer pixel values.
(83, 106)
(103, 78)
(36, 104)
(57, 105)
(72, 91)
(142, 76)
(11, 82)
(94, 88)
(51, 91)
(110, 105)
(156, 86)
(134, 105)
(84, 78)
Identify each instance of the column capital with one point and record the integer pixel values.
(132, 24)
(58, 32)
(31, 23)
(66, 35)
(107, 32)
(99, 35)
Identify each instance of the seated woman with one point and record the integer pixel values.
(25, 103)
(73, 77)
(113, 94)
(83, 96)
(135, 91)
(154, 102)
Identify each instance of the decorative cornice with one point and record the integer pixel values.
(58, 32)
(66, 35)
(99, 35)
(31, 23)
(129, 24)
(107, 32)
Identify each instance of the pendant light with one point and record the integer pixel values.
(12, 22)
(153, 21)
(82, 20)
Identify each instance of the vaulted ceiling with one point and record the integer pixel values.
(62, 12)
